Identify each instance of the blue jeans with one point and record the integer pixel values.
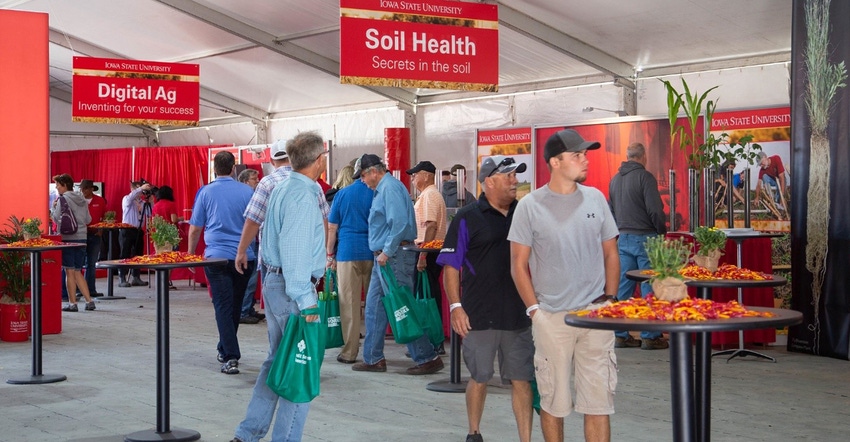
(633, 257)
(403, 265)
(771, 181)
(92, 255)
(228, 288)
(250, 291)
(290, 417)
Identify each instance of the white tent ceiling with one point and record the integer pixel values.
(266, 59)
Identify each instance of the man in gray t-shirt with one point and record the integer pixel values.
(564, 257)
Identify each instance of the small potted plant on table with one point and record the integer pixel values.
(109, 217)
(163, 234)
(711, 243)
(667, 257)
(14, 285)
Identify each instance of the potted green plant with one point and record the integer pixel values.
(711, 241)
(667, 257)
(30, 227)
(109, 216)
(697, 148)
(14, 285)
(163, 234)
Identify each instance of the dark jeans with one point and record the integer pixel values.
(132, 244)
(92, 256)
(227, 287)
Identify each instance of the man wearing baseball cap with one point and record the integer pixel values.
(490, 315)
(564, 258)
(431, 224)
(97, 207)
(392, 225)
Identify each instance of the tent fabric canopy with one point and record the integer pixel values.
(263, 59)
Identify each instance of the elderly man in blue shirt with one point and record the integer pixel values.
(218, 214)
(392, 224)
(293, 251)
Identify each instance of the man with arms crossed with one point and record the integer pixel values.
(564, 258)
(293, 248)
(488, 313)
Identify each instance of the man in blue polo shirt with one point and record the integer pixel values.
(490, 316)
(348, 251)
(218, 213)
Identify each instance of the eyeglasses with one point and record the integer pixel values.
(505, 162)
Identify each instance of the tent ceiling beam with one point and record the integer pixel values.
(566, 44)
(85, 48)
(273, 43)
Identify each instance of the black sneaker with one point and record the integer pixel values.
(220, 358)
(70, 308)
(138, 282)
(257, 314)
(476, 437)
(230, 367)
(90, 306)
(440, 350)
(249, 319)
(654, 344)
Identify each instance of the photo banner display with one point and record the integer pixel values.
(419, 44)
(120, 91)
(771, 129)
(509, 142)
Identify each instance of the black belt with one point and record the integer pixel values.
(279, 271)
(403, 243)
(604, 298)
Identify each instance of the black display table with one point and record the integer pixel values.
(110, 272)
(454, 384)
(739, 236)
(37, 377)
(163, 429)
(690, 386)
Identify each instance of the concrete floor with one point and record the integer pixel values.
(109, 356)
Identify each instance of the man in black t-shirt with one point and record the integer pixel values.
(489, 315)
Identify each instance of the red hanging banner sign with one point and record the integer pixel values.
(419, 44)
(122, 91)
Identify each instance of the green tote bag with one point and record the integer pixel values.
(294, 374)
(329, 306)
(399, 304)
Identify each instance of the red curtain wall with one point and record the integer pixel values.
(184, 168)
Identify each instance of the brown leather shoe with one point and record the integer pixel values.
(429, 367)
(380, 366)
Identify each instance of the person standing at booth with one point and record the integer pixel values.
(564, 258)
(431, 224)
(348, 252)
(73, 259)
(247, 313)
(97, 207)
(293, 248)
(392, 224)
(486, 310)
(218, 214)
(639, 213)
(132, 240)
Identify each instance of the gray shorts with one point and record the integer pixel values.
(515, 349)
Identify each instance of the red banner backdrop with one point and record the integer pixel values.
(427, 44)
(135, 92)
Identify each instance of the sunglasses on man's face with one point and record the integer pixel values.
(505, 162)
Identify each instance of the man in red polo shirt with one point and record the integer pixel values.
(97, 207)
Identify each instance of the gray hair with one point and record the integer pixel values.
(635, 151)
(304, 149)
(380, 168)
(246, 175)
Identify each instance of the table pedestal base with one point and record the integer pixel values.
(176, 434)
(38, 379)
(447, 386)
(742, 352)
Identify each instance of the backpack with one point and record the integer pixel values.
(67, 222)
